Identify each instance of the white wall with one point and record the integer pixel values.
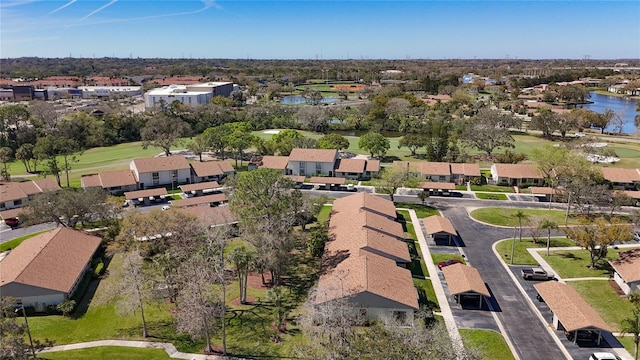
(623, 285)
(41, 302)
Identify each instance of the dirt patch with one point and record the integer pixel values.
(254, 281)
(236, 301)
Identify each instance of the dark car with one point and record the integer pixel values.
(13, 222)
(442, 264)
(583, 335)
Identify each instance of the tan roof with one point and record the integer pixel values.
(424, 167)
(21, 190)
(373, 165)
(351, 165)
(211, 168)
(628, 265)
(437, 224)
(296, 178)
(367, 274)
(48, 184)
(199, 200)
(12, 213)
(544, 190)
(367, 219)
(313, 155)
(570, 308)
(200, 186)
(353, 203)
(465, 169)
(109, 179)
(12, 191)
(517, 171)
(164, 163)
(343, 238)
(632, 194)
(274, 162)
(464, 279)
(129, 195)
(437, 185)
(619, 175)
(327, 180)
(211, 215)
(52, 260)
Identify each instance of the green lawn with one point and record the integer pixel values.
(492, 188)
(520, 254)
(603, 298)
(426, 294)
(491, 344)
(491, 196)
(422, 211)
(443, 257)
(107, 353)
(11, 244)
(627, 342)
(505, 216)
(575, 263)
(325, 212)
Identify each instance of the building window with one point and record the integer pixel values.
(155, 177)
(303, 168)
(441, 178)
(17, 202)
(174, 175)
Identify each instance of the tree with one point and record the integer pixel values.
(239, 139)
(548, 225)
(198, 145)
(14, 126)
(25, 154)
(423, 196)
(216, 138)
(5, 156)
(133, 290)
(333, 141)
(521, 216)
(163, 131)
(488, 130)
(412, 142)
(13, 334)
(597, 237)
(242, 257)
(276, 297)
(392, 180)
(631, 325)
(374, 143)
(66, 307)
(313, 118)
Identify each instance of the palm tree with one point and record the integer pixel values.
(521, 216)
(631, 325)
(548, 225)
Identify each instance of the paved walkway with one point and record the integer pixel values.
(445, 310)
(167, 347)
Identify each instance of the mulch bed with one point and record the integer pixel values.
(217, 350)
(616, 288)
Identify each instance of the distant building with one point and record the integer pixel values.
(106, 91)
(195, 94)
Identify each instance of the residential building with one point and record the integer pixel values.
(357, 169)
(115, 182)
(193, 94)
(626, 271)
(16, 194)
(159, 171)
(211, 170)
(47, 268)
(516, 174)
(438, 171)
(463, 172)
(270, 162)
(308, 162)
(622, 179)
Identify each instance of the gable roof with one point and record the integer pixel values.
(12, 191)
(517, 171)
(163, 163)
(21, 190)
(628, 265)
(211, 168)
(129, 195)
(364, 201)
(620, 175)
(465, 169)
(274, 162)
(464, 279)
(343, 239)
(313, 155)
(109, 179)
(52, 260)
(211, 215)
(437, 224)
(200, 186)
(199, 200)
(373, 165)
(570, 308)
(351, 165)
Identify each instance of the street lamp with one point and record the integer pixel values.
(33, 351)
(513, 244)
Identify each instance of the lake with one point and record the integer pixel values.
(623, 106)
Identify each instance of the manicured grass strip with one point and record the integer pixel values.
(491, 196)
(603, 298)
(403, 215)
(490, 343)
(505, 216)
(443, 257)
(12, 244)
(325, 212)
(575, 263)
(520, 254)
(627, 342)
(107, 353)
(492, 188)
(422, 211)
(412, 232)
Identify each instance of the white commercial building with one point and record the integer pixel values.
(196, 94)
(105, 91)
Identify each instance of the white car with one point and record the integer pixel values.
(166, 207)
(604, 356)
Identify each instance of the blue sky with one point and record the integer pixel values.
(419, 29)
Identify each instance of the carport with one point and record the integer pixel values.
(199, 188)
(439, 228)
(437, 187)
(145, 195)
(570, 311)
(297, 179)
(212, 200)
(329, 182)
(11, 214)
(546, 192)
(465, 281)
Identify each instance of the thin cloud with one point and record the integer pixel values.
(62, 7)
(99, 9)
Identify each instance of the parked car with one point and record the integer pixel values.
(12, 222)
(445, 263)
(583, 335)
(604, 356)
(535, 274)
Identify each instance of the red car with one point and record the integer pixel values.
(442, 264)
(13, 222)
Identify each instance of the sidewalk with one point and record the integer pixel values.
(167, 347)
(445, 310)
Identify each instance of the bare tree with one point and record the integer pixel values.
(597, 237)
(134, 288)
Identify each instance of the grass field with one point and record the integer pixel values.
(11, 244)
(603, 298)
(492, 188)
(107, 353)
(627, 342)
(491, 344)
(436, 258)
(520, 254)
(575, 263)
(491, 196)
(505, 216)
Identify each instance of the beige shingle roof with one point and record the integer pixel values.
(313, 155)
(570, 308)
(628, 265)
(373, 165)
(52, 260)
(274, 162)
(465, 169)
(109, 179)
(464, 279)
(351, 165)
(517, 171)
(354, 203)
(129, 195)
(199, 200)
(211, 168)
(11, 191)
(327, 180)
(620, 175)
(21, 190)
(437, 185)
(342, 237)
(164, 163)
(370, 220)
(436, 224)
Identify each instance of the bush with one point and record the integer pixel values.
(98, 270)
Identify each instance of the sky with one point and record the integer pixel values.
(321, 29)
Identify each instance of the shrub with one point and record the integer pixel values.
(98, 270)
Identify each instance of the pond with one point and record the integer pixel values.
(299, 99)
(623, 106)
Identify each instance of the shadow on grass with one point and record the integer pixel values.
(424, 301)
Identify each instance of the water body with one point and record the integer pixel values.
(624, 107)
(297, 99)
